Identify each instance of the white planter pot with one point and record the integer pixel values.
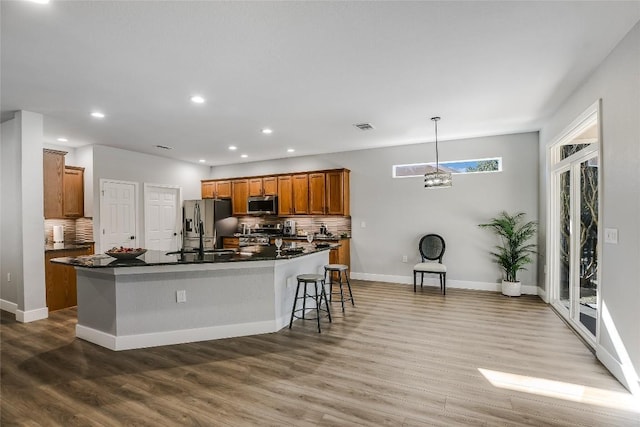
(511, 289)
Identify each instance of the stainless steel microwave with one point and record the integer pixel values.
(262, 205)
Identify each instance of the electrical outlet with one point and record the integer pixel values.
(181, 296)
(611, 235)
(405, 258)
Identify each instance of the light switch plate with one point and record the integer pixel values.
(611, 235)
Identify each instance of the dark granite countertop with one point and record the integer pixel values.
(248, 253)
(66, 246)
(301, 238)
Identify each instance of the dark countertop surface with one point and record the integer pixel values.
(248, 253)
(66, 246)
(315, 238)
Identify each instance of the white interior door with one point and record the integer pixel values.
(161, 217)
(118, 215)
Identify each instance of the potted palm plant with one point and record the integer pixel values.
(514, 252)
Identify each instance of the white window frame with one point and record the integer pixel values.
(395, 167)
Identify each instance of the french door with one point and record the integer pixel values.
(573, 233)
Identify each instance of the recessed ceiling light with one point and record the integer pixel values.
(202, 160)
(267, 131)
(233, 147)
(63, 139)
(244, 156)
(97, 115)
(197, 99)
(290, 150)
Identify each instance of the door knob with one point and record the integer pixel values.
(132, 237)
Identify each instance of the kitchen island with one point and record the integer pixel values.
(162, 299)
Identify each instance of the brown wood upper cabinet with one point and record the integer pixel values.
(63, 187)
(285, 195)
(216, 189)
(240, 188)
(317, 190)
(293, 194)
(53, 174)
(73, 205)
(263, 186)
(300, 194)
(329, 193)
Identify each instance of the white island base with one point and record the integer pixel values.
(134, 307)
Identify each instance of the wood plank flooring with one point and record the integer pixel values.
(396, 359)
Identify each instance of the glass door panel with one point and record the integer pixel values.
(564, 244)
(588, 281)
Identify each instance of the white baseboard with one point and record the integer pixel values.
(9, 306)
(128, 342)
(434, 281)
(542, 293)
(617, 370)
(32, 315)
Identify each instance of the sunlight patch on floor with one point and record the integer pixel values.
(562, 390)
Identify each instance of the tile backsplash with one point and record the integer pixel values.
(336, 225)
(75, 230)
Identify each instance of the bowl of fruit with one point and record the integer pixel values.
(125, 253)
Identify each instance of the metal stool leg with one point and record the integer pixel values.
(315, 288)
(326, 302)
(295, 300)
(341, 294)
(304, 301)
(346, 276)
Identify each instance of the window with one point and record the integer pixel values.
(455, 167)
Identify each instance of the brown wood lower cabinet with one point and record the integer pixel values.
(60, 279)
(230, 242)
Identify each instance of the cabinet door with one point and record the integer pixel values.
(337, 193)
(301, 194)
(230, 242)
(208, 189)
(285, 194)
(269, 186)
(60, 280)
(53, 174)
(223, 189)
(316, 193)
(240, 196)
(73, 192)
(255, 187)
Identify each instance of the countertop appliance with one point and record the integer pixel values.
(207, 219)
(262, 205)
(289, 228)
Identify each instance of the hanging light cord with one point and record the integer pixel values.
(435, 120)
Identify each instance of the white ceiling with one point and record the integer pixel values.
(309, 70)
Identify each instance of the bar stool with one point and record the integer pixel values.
(340, 269)
(304, 279)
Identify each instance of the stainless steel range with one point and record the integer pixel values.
(253, 240)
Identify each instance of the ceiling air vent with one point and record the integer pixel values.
(164, 147)
(364, 126)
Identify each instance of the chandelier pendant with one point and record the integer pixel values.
(437, 178)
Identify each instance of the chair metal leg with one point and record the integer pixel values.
(421, 279)
(444, 283)
(415, 274)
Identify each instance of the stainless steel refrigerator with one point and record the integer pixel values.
(216, 219)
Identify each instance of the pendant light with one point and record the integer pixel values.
(437, 178)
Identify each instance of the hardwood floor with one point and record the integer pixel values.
(397, 358)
